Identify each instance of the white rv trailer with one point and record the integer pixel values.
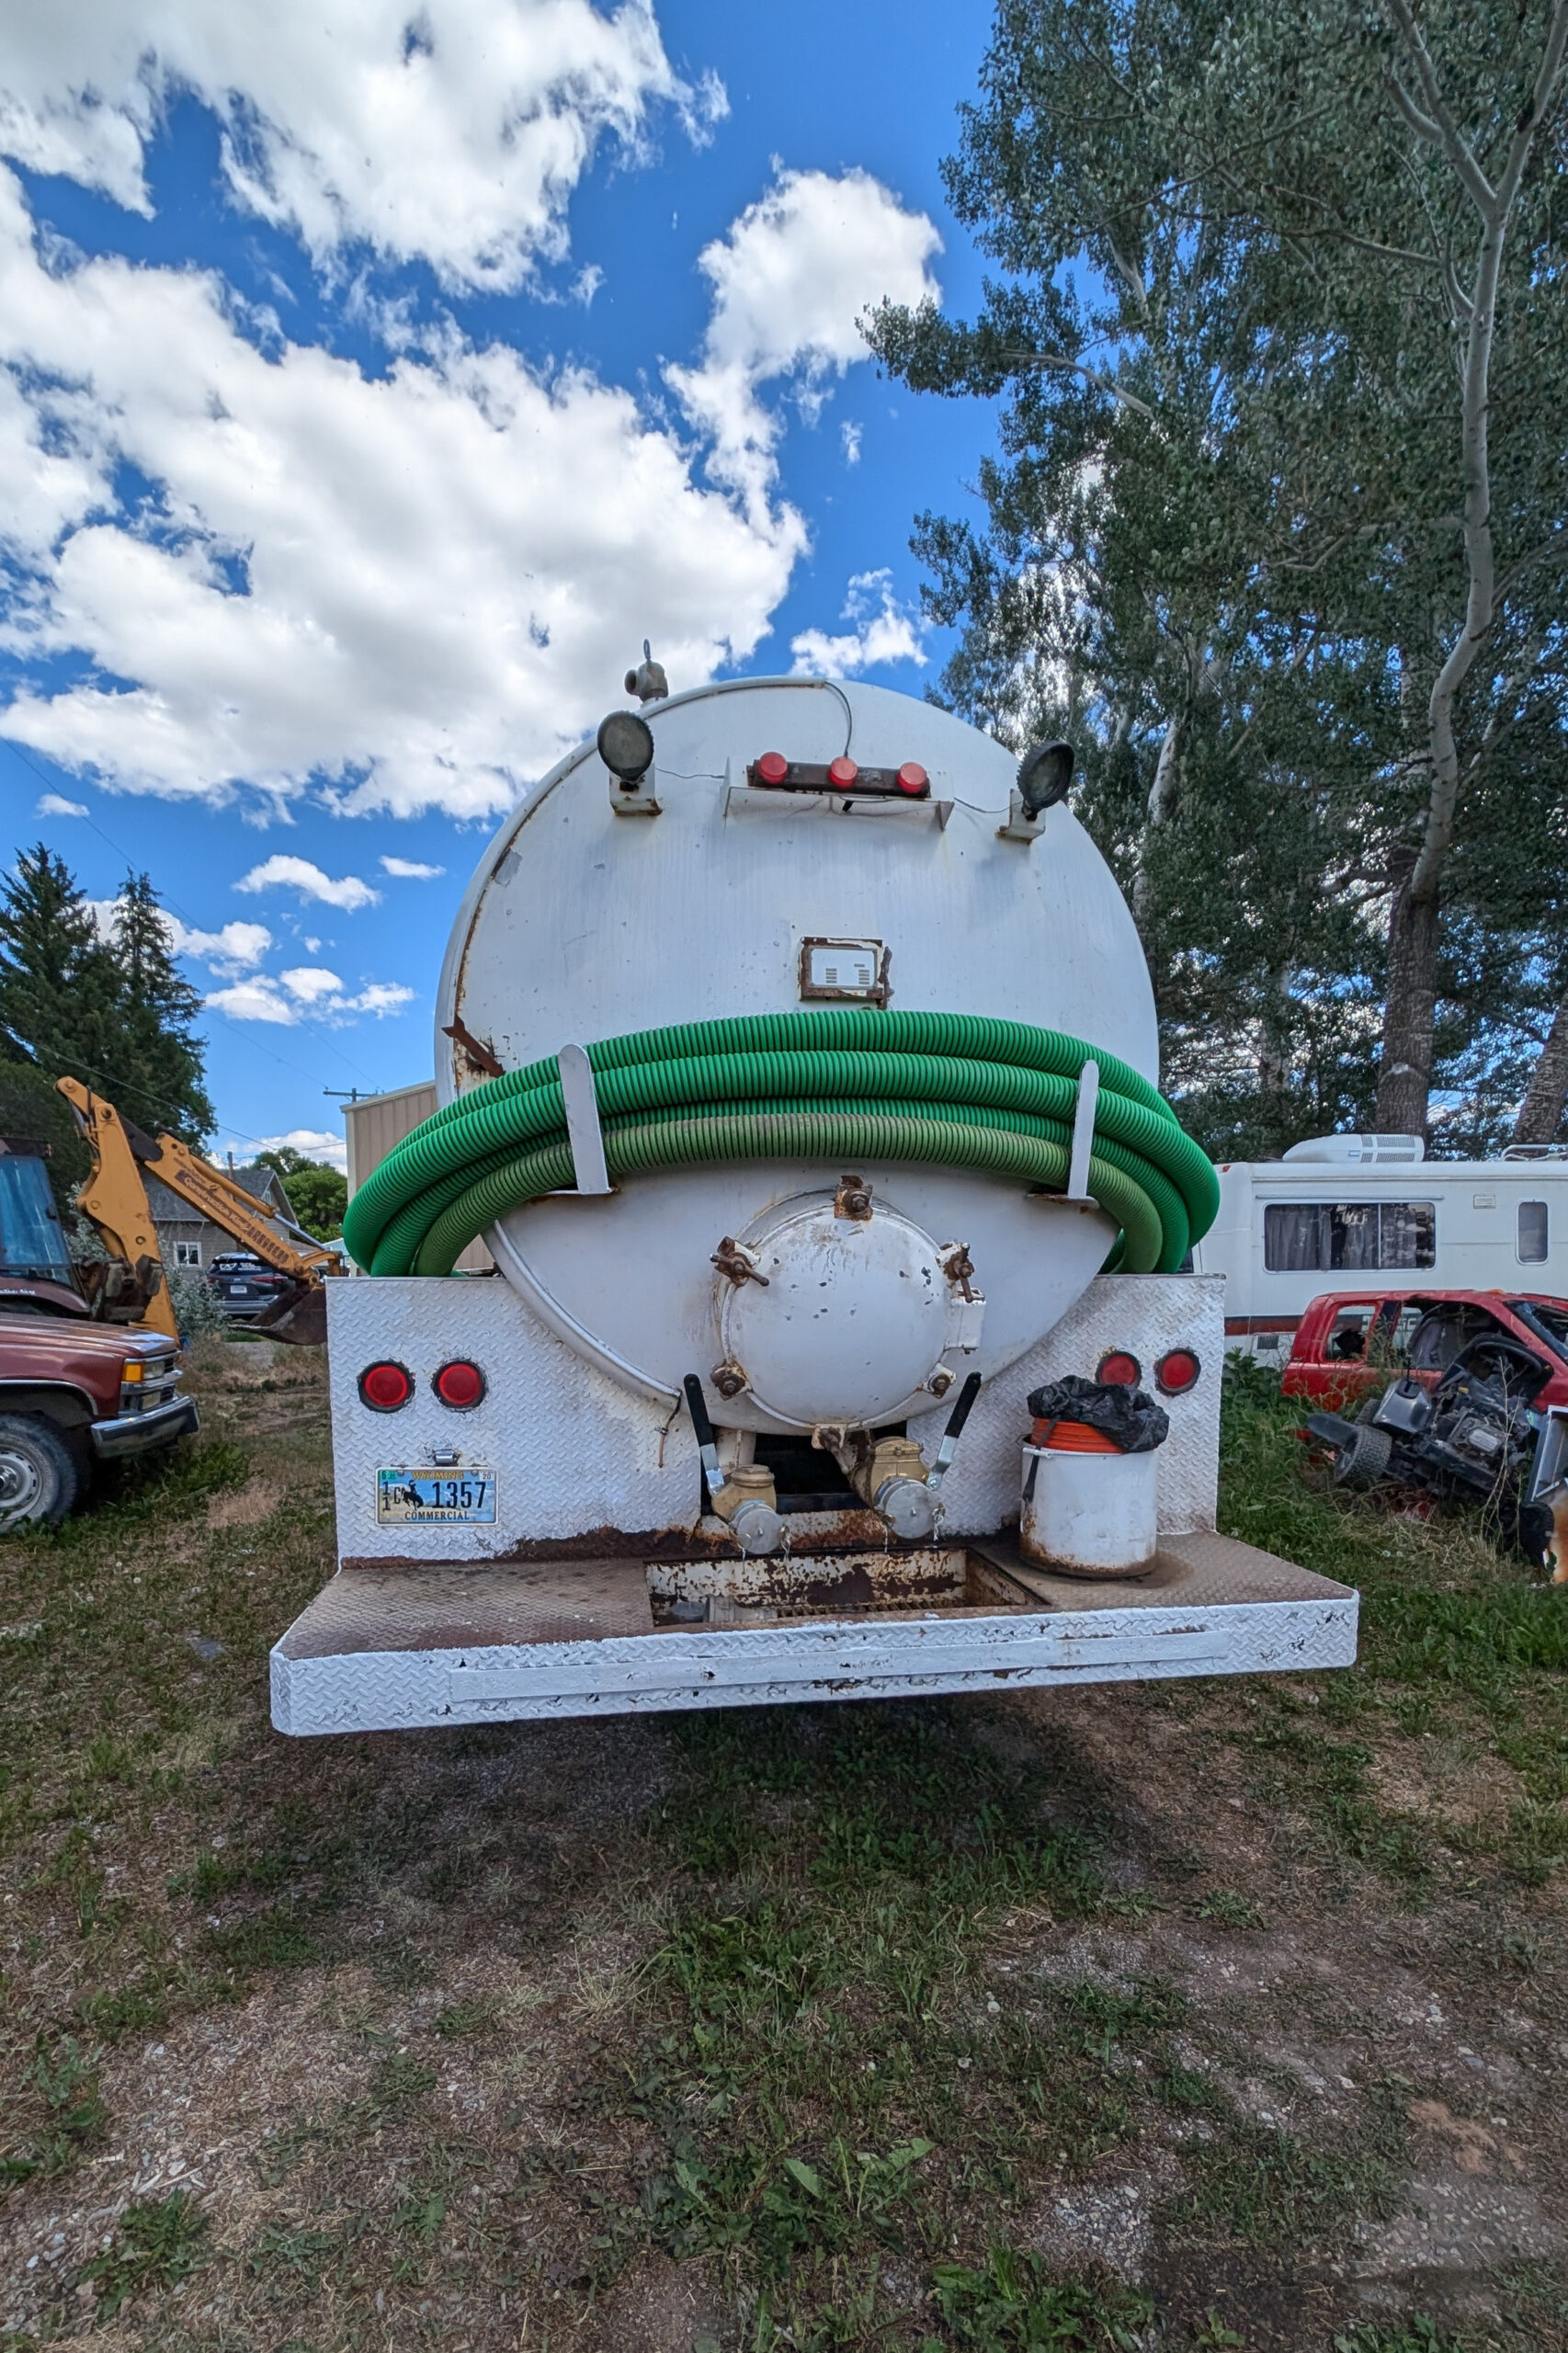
(1372, 1213)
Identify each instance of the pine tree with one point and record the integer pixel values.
(115, 1014)
(59, 988)
(160, 1062)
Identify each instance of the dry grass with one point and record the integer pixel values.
(1172, 2016)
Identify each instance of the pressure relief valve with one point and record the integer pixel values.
(745, 1500)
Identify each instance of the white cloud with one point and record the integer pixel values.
(409, 870)
(311, 982)
(232, 951)
(380, 997)
(307, 992)
(453, 134)
(284, 873)
(236, 946)
(885, 631)
(405, 590)
(791, 281)
(315, 1144)
(54, 804)
(257, 1000)
(849, 434)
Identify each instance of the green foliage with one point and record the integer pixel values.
(113, 1012)
(158, 2243)
(31, 1111)
(1417, 2335)
(1013, 2304)
(1219, 547)
(318, 1194)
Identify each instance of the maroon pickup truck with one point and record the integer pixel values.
(74, 1392)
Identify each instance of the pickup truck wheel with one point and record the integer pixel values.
(39, 1476)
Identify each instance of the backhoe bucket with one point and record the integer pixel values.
(299, 1317)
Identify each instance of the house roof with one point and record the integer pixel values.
(169, 1209)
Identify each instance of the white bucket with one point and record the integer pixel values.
(1095, 1514)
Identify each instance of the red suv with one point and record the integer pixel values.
(1348, 1343)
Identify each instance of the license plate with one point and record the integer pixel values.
(238, 1290)
(404, 1496)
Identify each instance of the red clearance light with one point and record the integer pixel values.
(773, 768)
(459, 1385)
(1176, 1372)
(843, 771)
(385, 1387)
(913, 778)
(1119, 1367)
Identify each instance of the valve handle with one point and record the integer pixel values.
(952, 1434)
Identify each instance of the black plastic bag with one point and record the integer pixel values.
(1129, 1416)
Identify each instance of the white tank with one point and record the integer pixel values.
(585, 922)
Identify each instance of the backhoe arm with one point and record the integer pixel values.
(114, 1198)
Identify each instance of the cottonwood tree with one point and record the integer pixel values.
(1247, 301)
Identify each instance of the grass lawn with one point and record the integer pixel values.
(1220, 2014)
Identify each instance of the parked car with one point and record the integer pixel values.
(1349, 1345)
(243, 1285)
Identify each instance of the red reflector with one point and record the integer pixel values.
(385, 1387)
(1176, 1372)
(1121, 1367)
(912, 777)
(844, 771)
(459, 1385)
(773, 768)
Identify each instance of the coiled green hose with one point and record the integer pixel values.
(851, 1084)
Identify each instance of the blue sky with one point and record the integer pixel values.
(370, 397)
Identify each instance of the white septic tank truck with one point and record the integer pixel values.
(797, 1062)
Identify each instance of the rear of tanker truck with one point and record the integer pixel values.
(797, 1062)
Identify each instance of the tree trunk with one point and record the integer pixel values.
(1404, 1078)
(1540, 1113)
(1274, 1042)
(1161, 805)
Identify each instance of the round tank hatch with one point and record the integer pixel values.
(848, 1321)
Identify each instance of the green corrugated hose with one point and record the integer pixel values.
(851, 1085)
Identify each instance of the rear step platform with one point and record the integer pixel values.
(389, 1650)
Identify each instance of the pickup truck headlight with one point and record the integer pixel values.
(146, 1382)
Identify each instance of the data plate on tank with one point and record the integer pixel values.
(404, 1495)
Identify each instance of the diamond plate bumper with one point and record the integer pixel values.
(383, 1650)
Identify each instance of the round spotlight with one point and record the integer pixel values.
(626, 745)
(459, 1385)
(843, 771)
(773, 768)
(384, 1387)
(1120, 1368)
(912, 780)
(1044, 776)
(1176, 1372)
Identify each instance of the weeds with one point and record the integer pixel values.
(157, 2245)
(1011, 2304)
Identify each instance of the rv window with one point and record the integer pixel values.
(1349, 1237)
(1532, 1234)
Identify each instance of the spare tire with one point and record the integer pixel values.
(1364, 1457)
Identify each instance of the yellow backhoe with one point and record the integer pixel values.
(131, 1287)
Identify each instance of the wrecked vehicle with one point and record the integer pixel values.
(1485, 1431)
